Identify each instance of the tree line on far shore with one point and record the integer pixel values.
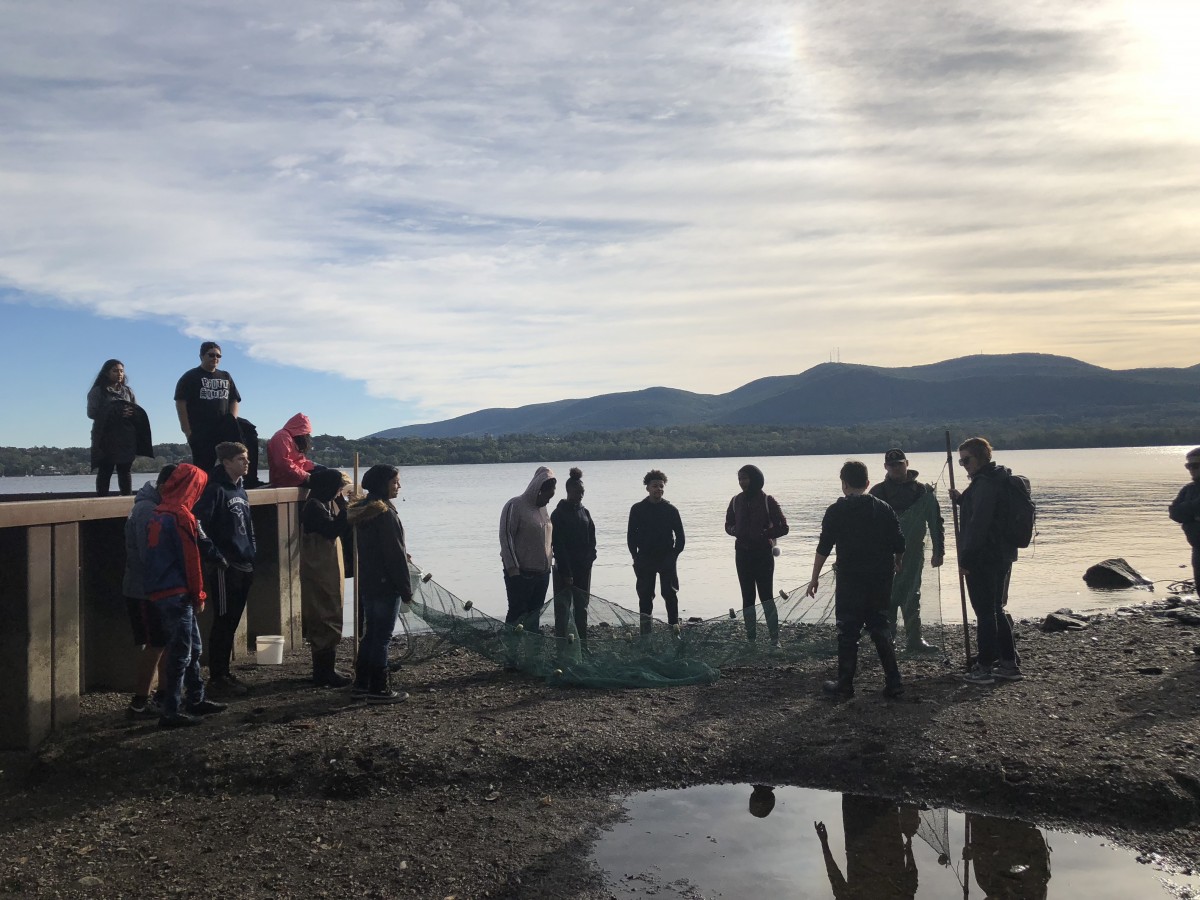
(682, 442)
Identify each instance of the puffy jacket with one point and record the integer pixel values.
(288, 466)
(382, 554)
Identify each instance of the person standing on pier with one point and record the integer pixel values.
(755, 520)
(1186, 511)
(120, 429)
(655, 539)
(204, 396)
(224, 513)
(917, 507)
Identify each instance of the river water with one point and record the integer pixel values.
(1092, 505)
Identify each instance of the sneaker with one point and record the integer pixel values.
(1007, 671)
(979, 675)
(375, 698)
(149, 709)
(227, 686)
(359, 691)
(776, 645)
(179, 720)
(206, 708)
(893, 690)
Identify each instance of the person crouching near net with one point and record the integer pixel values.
(384, 582)
(870, 551)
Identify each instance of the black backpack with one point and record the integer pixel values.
(1018, 513)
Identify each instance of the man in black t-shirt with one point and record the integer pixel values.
(204, 397)
(870, 550)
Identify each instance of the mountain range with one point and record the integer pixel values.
(969, 388)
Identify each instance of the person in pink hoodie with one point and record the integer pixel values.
(288, 465)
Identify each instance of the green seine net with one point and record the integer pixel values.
(610, 650)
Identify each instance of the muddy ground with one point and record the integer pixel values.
(487, 784)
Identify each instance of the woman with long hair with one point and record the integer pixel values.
(120, 429)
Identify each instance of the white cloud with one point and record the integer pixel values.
(510, 203)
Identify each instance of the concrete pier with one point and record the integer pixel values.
(64, 629)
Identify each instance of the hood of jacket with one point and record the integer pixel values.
(298, 424)
(148, 493)
(183, 489)
(756, 478)
(540, 477)
(362, 511)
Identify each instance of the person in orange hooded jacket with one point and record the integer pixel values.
(173, 581)
(288, 465)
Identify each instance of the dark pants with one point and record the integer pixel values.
(227, 592)
(987, 586)
(526, 597)
(862, 603)
(756, 571)
(1196, 568)
(178, 619)
(104, 478)
(668, 583)
(575, 600)
(379, 621)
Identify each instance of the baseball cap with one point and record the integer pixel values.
(895, 455)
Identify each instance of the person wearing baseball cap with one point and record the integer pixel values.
(917, 507)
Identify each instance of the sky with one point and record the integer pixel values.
(396, 212)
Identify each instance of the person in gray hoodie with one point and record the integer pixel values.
(526, 552)
(147, 629)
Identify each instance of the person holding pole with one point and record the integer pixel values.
(870, 550)
(985, 559)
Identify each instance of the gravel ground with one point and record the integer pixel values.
(486, 784)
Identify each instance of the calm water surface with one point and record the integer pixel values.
(706, 842)
(1092, 504)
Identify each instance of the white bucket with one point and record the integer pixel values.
(270, 649)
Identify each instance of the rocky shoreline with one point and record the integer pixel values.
(487, 784)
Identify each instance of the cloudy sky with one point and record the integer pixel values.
(394, 212)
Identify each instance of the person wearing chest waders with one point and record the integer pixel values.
(323, 524)
(384, 580)
(756, 521)
(526, 551)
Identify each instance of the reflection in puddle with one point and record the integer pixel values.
(791, 842)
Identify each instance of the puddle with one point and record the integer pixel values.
(735, 841)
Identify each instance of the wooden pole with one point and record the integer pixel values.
(357, 580)
(962, 587)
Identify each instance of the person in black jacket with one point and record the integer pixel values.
(323, 522)
(755, 520)
(655, 538)
(986, 561)
(1186, 511)
(384, 581)
(870, 550)
(224, 514)
(574, 542)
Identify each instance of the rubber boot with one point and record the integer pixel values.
(913, 642)
(750, 617)
(843, 687)
(892, 686)
(325, 673)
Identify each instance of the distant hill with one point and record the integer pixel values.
(995, 387)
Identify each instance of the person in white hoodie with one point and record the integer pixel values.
(525, 551)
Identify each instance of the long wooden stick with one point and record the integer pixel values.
(357, 580)
(962, 586)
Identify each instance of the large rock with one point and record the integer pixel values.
(1063, 620)
(1114, 573)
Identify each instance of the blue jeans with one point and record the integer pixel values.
(379, 621)
(986, 586)
(178, 618)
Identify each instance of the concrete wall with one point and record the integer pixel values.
(64, 628)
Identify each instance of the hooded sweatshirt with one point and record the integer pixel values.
(753, 516)
(135, 539)
(172, 559)
(525, 529)
(224, 512)
(288, 466)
